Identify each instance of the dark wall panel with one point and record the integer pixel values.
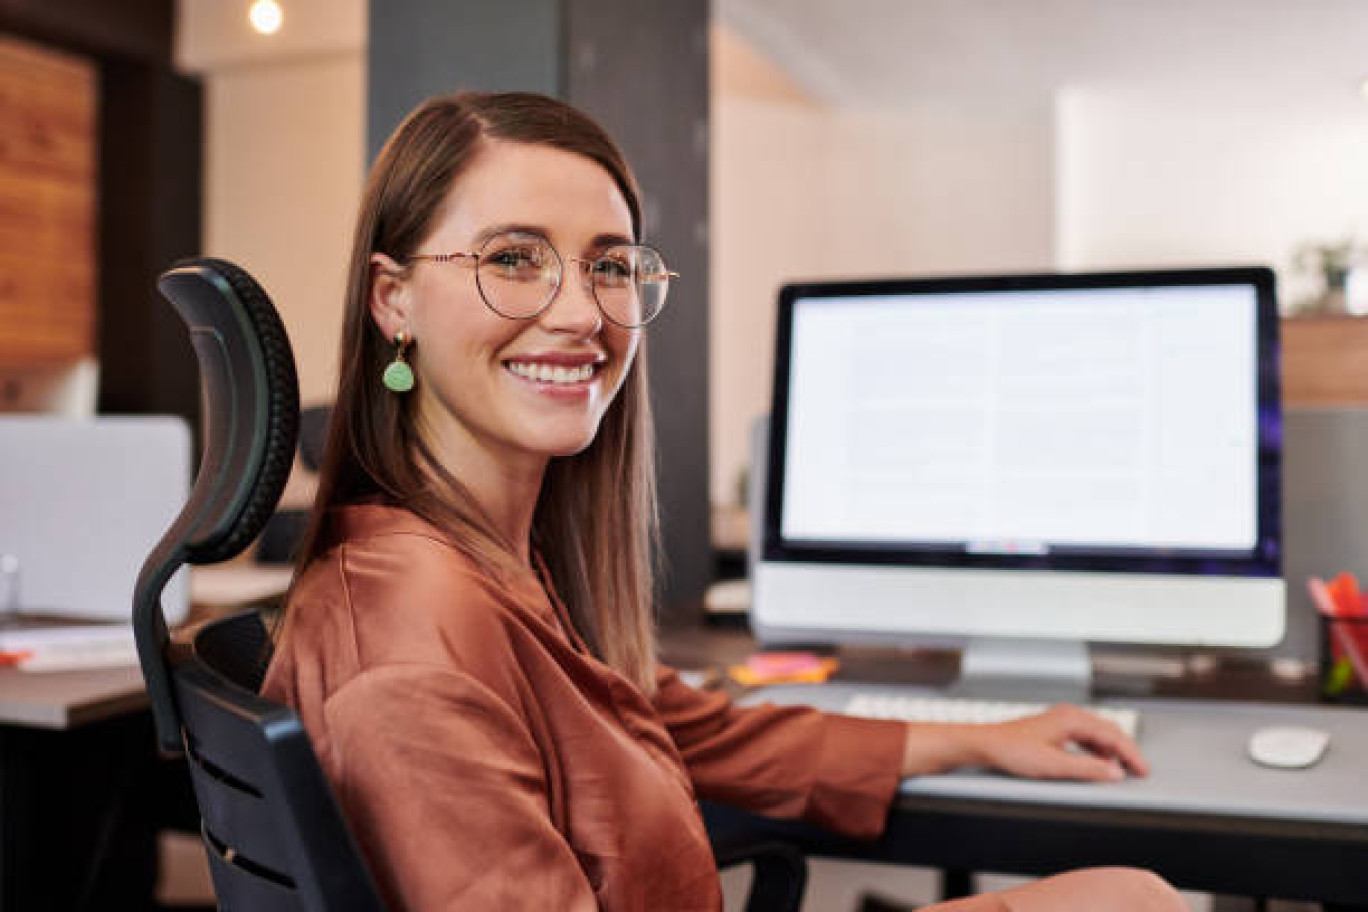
(420, 48)
(641, 69)
(136, 29)
(150, 180)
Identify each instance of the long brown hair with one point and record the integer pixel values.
(596, 521)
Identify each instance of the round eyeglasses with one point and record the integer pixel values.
(518, 275)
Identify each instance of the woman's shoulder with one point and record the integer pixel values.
(403, 593)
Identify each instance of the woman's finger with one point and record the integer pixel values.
(1067, 764)
(1101, 736)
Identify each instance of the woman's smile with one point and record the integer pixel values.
(562, 376)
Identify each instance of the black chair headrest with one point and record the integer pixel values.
(251, 410)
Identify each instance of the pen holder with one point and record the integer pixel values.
(1344, 659)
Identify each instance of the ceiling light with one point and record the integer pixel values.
(266, 16)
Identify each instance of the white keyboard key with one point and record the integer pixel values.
(956, 710)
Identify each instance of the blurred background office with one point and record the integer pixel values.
(775, 139)
(868, 138)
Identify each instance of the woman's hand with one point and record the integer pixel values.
(1064, 742)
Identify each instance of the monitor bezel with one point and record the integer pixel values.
(1263, 560)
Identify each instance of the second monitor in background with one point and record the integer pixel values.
(1026, 463)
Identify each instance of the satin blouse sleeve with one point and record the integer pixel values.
(442, 781)
(790, 762)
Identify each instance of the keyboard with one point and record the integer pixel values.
(957, 710)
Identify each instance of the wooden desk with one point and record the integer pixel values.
(59, 700)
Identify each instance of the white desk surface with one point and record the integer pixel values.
(1198, 758)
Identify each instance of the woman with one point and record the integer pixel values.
(469, 642)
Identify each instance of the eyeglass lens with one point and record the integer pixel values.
(519, 274)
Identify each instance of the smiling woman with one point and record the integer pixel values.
(469, 641)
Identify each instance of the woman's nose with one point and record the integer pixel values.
(574, 307)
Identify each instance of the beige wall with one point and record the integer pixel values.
(284, 163)
(1213, 174)
(284, 158)
(801, 190)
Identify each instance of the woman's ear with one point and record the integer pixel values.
(389, 297)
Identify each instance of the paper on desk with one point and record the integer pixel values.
(69, 647)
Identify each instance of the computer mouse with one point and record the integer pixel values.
(1287, 746)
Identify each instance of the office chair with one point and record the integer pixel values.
(275, 836)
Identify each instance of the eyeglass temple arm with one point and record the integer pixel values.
(445, 257)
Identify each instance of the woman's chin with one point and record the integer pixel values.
(573, 450)
(568, 444)
(552, 437)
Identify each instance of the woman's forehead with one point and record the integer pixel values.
(519, 183)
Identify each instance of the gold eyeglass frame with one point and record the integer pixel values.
(585, 266)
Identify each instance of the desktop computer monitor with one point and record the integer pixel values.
(1024, 464)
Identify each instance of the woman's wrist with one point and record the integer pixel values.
(933, 748)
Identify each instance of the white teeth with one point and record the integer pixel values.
(546, 373)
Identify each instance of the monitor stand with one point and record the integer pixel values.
(1029, 670)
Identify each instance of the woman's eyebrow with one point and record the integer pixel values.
(609, 240)
(507, 227)
(605, 239)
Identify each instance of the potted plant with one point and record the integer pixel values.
(1332, 261)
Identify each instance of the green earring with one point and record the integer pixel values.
(398, 376)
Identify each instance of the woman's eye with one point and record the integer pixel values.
(613, 270)
(514, 258)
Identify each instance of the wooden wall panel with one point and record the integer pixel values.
(48, 106)
(1325, 361)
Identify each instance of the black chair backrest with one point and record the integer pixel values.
(275, 837)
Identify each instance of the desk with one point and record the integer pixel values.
(1207, 819)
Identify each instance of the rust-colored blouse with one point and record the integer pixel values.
(486, 761)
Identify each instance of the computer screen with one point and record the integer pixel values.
(1077, 457)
